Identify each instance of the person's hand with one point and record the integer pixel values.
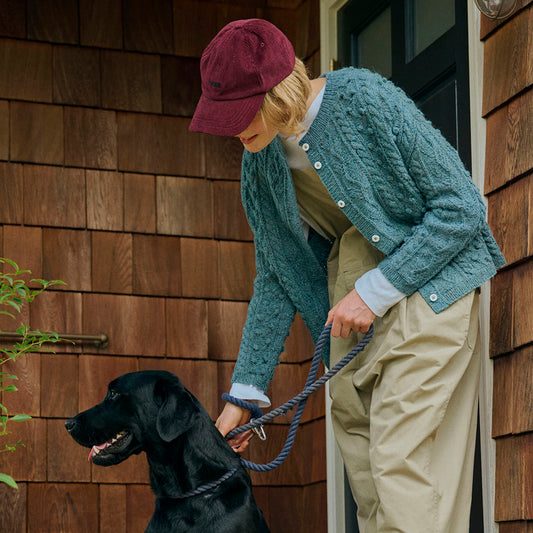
(350, 314)
(231, 417)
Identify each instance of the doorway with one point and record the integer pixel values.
(421, 46)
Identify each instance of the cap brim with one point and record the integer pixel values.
(225, 117)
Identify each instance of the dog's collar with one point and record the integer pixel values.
(208, 486)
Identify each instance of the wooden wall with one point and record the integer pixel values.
(508, 108)
(103, 186)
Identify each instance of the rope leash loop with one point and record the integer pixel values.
(312, 385)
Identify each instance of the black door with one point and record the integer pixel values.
(422, 46)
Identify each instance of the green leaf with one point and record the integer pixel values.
(8, 480)
(20, 418)
(11, 388)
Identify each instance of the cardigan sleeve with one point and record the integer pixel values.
(454, 211)
(270, 316)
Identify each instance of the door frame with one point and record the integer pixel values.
(335, 470)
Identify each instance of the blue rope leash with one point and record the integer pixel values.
(258, 419)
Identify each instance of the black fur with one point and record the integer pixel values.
(184, 450)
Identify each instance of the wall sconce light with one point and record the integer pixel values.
(496, 9)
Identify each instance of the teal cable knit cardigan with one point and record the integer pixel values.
(401, 184)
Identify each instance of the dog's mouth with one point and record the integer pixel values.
(114, 445)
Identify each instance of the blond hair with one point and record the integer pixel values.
(285, 105)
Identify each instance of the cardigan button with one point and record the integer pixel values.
(305, 147)
(433, 297)
(341, 203)
(318, 165)
(375, 238)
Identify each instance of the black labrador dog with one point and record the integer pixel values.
(152, 411)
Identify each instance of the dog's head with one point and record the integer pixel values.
(139, 409)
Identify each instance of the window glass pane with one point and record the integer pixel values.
(373, 45)
(432, 18)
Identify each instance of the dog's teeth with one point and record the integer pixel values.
(96, 451)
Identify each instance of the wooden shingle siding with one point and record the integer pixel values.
(508, 108)
(103, 186)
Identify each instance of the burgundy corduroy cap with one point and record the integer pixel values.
(239, 66)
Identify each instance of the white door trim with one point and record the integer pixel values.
(478, 141)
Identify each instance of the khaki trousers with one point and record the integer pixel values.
(404, 410)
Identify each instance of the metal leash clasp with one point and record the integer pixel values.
(259, 431)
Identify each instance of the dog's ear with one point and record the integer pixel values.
(177, 411)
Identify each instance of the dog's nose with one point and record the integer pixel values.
(69, 424)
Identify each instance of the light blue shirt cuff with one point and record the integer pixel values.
(249, 393)
(377, 292)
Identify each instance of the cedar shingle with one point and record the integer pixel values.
(237, 270)
(101, 23)
(501, 313)
(508, 62)
(224, 157)
(289, 380)
(12, 20)
(522, 398)
(184, 206)
(36, 133)
(25, 70)
(135, 325)
(186, 328)
(67, 460)
(23, 245)
(28, 462)
(156, 265)
(148, 26)
(26, 398)
(59, 312)
(112, 262)
(112, 509)
(503, 394)
(105, 200)
(140, 501)
(509, 482)
(13, 518)
(131, 82)
(299, 345)
(54, 196)
(509, 151)
(59, 398)
(74, 508)
(198, 15)
(4, 129)
(76, 76)
(226, 321)
(53, 20)
(11, 179)
(73, 264)
(228, 12)
(180, 80)
(508, 217)
(139, 203)
(200, 268)
(522, 304)
(90, 138)
(230, 219)
(225, 371)
(159, 145)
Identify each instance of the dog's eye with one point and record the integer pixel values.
(113, 395)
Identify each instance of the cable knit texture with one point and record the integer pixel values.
(402, 185)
